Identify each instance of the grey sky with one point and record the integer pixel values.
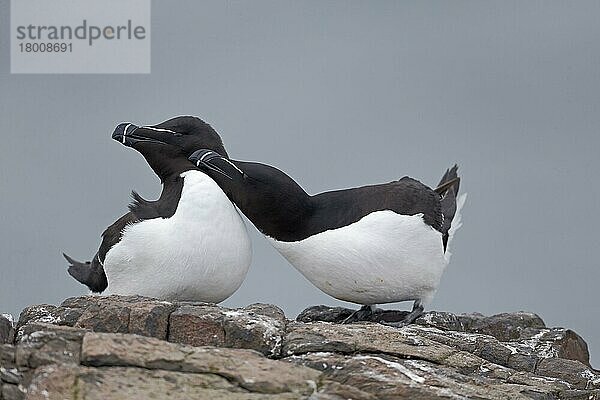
(337, 94)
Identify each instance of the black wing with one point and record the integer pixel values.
(112, 235)
(406, 196)
(410, 197)
(91, 273)
(164, 207)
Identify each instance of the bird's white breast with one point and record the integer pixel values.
(201, 253)
(385, 257)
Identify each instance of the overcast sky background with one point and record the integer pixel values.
(338, 94)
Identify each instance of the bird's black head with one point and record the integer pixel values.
(168, 145)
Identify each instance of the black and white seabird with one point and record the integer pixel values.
(191, 243)
(369, 245)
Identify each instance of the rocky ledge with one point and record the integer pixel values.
(115, 347)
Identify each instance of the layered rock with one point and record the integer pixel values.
(116, 347)
(6, 328)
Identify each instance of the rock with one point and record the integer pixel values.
(564, 342)
(388, 377)
(7, 330)
(7, 354)
(324, 314)
(522, 330)
(115, 383)
(365, 337)
(574, 372)
(441, 320)
(197, 325)
(118, 314)
(12, 392)
(122, 314)
(504, 327)
(462, 351)
(339, 314)
(247, 368)
(114, 347)
(106, 318)
(44, 313)
(11, 375)
(258, 326)
(331, 390)
(42, 344)
(150, 319)
(487, 347)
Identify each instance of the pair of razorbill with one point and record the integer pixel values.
(368, 245)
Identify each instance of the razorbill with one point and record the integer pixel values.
(190, 244)
(368, 245)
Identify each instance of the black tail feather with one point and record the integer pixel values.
(450, 175)
(448, 190)
(88, 273)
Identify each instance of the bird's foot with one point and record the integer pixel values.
(411, 317)
(362, 314)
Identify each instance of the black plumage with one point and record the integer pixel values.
(165, 147)
(92, 273)
(448, 190)
(281, 209)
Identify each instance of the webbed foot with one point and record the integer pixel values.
(362, 314)
(411, 317)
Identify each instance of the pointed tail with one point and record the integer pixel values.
(452, 204)
(88, 273)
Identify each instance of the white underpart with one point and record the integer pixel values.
(201, 253)
(384, 257)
